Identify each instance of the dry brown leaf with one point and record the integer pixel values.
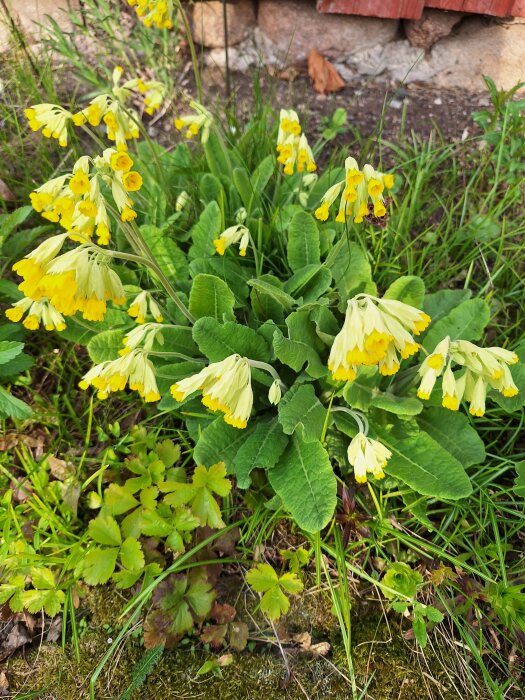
(325, 77)
(4, 683)
(59, 468)
(5, 192)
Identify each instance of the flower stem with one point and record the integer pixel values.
(268, 368)
(360, 418)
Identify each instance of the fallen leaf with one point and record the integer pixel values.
(8, 196)
(223, 613)
(238, 635)
(325, 77)
(4, 683)
(59, 468)
(214, 635)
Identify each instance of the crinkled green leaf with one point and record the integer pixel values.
(409, 289)
(217, 340)
(453, 431)
(211, 296)
(303, 241)
(260, 450)
(464, 322)
(300, 408)
(105, 530)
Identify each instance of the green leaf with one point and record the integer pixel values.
(309, 283)
(262, 174)
(350, 269)
(300, 347)
(433, 614)
(519, 482)
(12, 221)
(167, 254)
(131, 555)
(303, 241)
(426, 467)
(219, 442)
(264, 306)
(360, 392)
(105, 346)
(209, 187)
(420, 631)
(441, 303)
(105, 530)
(400, 405)
(453, 431)
(244, 187)
(42, 578)
(300, 408)
(200, 596)
(408, 289)
(210, 296)
(263, 286)
(217, 340)
(11, 407)
(305, 481)
(465, 322)
(260, 450)
(9, 349)
(19, 364)
(262, 578)
(50, 601)
(203, 233)
(99, 564)
(118, 500)
(228, 269)
(200, 494)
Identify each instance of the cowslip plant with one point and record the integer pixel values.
(280, 354)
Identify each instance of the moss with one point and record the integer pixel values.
(379, 654)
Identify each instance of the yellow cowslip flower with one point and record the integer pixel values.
(367, 456)
(37, 312)
(358, 187)
(115, 111)
(52, 119)
(226, 387)
(193, 124)
(483, 368)
(79, 280)
(133, 369)
(234, 234)
(374, 331)
(75, 200)
(292, 145)
(157, 12)
(139, 308)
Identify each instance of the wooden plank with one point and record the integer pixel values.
(497, 8)
(518, 8)
(393, 9)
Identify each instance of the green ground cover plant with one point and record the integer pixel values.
(338, 349)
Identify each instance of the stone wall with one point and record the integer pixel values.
(448, 49)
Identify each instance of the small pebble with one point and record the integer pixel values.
(438, 101)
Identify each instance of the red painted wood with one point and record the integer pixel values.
(412, 9)
(518, 8)
(498, 8)
(390, 9)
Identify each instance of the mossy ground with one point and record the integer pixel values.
(392, 667)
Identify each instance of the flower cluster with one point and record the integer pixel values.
(121, 121)
(133, 369)
(479, 369)
(113, 110)
(193, 124)
(226, 386)
(367, 456)
(157, 12)
(234, 234)
(76, 199)
(358, 187)
(141, 304)
(79, 280)
(52, 119)
(374, 332)
(292, 146)
(37, 312)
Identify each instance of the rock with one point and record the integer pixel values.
(431, 27)
(290, 28)
(207, 24)
(29, 14)
(481, 47)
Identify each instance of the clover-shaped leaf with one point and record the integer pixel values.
(274, 602)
